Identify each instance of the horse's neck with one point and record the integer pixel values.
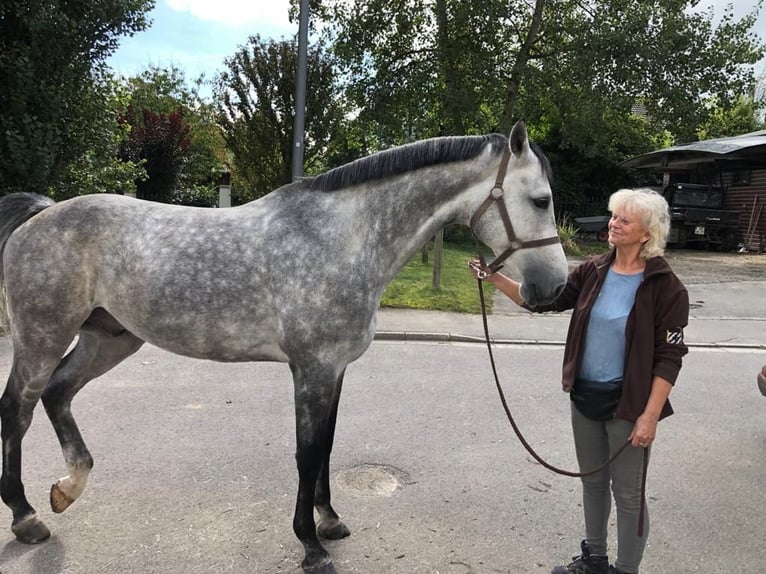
(399, 218)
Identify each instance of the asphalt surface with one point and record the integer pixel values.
(195, 472)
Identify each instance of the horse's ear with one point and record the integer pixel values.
(518, 139)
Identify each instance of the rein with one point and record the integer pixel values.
(531, 450)
(496, 197)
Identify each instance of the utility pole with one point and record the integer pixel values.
(300, 93)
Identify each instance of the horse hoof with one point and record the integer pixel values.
(31, 530)
(60, 501)
(333, 530)
(326, 568)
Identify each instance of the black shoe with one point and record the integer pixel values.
(585, 563)
(613, 570)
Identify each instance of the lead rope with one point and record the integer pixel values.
(529, 448)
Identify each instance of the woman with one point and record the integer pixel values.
(622, 356)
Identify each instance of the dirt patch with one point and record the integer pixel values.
(695, 267)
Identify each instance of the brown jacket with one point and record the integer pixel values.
(654, 343)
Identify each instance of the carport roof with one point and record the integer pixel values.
(746, 147)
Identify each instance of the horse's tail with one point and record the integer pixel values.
(16, 209)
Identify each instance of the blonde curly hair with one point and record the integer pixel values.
(652, 209)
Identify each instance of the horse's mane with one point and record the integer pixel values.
(410, 157)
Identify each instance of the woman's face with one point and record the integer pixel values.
(626, 229)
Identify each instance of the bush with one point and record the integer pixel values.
(197, 195)
(567, 233)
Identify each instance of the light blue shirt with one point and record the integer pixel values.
(603, 357)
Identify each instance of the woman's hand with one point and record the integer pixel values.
(644, 431)
(478, 271)
(502, 282)
(645, 427)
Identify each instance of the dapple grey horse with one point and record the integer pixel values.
(295, 276)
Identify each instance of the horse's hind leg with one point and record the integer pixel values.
(33, 364)
(330, 525)
(97, 351)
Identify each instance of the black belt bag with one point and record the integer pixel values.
(596, 401)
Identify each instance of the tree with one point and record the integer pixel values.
(255, 97)
(56, 91)
(160, 142)
(608, 56)
(576, 66)
(174, 132)
(100, 169)
(598, 81)
(730, 120)
(416, 68)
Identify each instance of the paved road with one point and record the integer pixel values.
(195, 471)
(195, 474)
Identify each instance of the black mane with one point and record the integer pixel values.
(406, 158)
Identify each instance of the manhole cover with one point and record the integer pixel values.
(372, 480)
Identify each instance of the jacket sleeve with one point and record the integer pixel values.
(671, 317)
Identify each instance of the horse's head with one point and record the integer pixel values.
(517, 220)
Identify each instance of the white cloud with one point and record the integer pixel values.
(237, 13)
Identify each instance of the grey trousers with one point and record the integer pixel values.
(595, 441)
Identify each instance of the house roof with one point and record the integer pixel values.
(747, 147)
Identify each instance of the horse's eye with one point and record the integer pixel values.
(542, 202)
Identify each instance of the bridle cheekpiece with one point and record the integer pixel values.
(496, 197)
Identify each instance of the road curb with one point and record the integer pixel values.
(419, 336)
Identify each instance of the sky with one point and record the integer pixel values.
(197, 35)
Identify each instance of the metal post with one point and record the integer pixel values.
(300, 92)
(224, 195)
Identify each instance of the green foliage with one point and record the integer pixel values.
(99, 169)
(607, 57)
(94, 172)
(567, 231)
(412, 287)
(255, 100)
(598, 82)
(420, 71)
(166, 91)
(197, 195)
(55, 123)
(730, 120)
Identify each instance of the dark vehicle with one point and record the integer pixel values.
(697, 218)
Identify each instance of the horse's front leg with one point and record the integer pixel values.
(330, 525)
(315, 394)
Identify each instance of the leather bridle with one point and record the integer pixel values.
(496, 197)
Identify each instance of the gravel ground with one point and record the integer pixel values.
(694, 267)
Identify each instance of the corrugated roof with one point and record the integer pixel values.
(702, 151)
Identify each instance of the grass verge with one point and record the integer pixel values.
(412, 288)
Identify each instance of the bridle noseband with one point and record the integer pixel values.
(515, 244)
